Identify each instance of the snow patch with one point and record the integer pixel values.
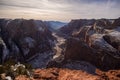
(5, 53)
(8, 23)
(41, 59)
(15, 48)
(5, 50)
(26, 51)
(52, 42)
(39, 25)
(111, 21)
(100, 43)
(41, 29)
(115, 33)
(118, 29)
(98, 40)
(30, 41)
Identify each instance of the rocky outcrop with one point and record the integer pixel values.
(26, 39)
(88, 41)
(75, 25)
(3, 51)
(65, 74)
(62, 74)
(113, 39)
(98, 56)
(109, 75)
(98, 52)
(116, 22)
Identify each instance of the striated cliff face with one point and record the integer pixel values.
(94, 41)
(82, 46)
(25, 40)
(76, 25)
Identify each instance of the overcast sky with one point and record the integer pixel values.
(62, 10)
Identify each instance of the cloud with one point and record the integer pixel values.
(63, 10)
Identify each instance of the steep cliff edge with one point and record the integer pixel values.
(26, 41)
(93, 41)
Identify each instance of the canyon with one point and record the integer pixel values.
(80, 47)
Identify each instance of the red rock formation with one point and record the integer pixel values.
(67, 74)
(60, 74)
(109, 75)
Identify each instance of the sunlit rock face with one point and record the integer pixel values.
(25, 39)
(113, 39)
(94, 41)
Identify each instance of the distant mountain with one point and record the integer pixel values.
(55, 24)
